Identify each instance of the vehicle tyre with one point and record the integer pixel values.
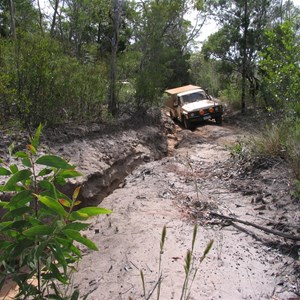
(219, 120)
(172, 117)
(186, 123)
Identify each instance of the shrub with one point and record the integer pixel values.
(232, 96)
(40, 230)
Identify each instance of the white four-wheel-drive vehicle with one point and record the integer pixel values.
(190, 104)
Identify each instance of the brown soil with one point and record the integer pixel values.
(197, 177)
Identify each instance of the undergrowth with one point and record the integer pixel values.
(276, 140)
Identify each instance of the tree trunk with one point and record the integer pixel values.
(54, 18)
(116, 14)
(244, 56)
(40, 17)
(12, 19)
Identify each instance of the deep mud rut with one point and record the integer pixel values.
(195, 179)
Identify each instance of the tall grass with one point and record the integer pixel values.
(281, 139)
(191, 268)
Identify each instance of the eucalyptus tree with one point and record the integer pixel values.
(12, 18)
(281, 11)
(280, 66)
(17, 16)
(161, 37)
(239, 39)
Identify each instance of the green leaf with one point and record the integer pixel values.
(75, 215)
(75, 295)
(60, 180)
(75, 235)
(4, 172)
(38, 230)
(45, 185)
(94, 211)
(39, 250)
(51, 191)
(17, 177)
(21, 199)
(32, 149)
(13, 168)
(4, 244)
(53, 204)
(64, 202)
(26, 162)
(21, 154)
(76, 251)
(4, 225)
(18, 212)
(68, 173)
(18, 225)
(11, 148)
(59, 255)
(45, 172)
(65, 241)
(55, 273)
(21, 246)
(77, 226)
(53, 161)
(76, 193)
(4, 203)
(36, 139)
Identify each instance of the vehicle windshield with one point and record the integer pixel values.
(194, 97)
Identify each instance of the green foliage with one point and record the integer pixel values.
(232, 95)
(296, 190)
(238, 41)
(42, 84)
(162, 41)
(280, 65)
(40, 231)
(236, 150)
(280, 139)
(207, 74)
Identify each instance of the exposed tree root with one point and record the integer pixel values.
(265, 229)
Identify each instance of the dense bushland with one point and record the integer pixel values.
(42, 84)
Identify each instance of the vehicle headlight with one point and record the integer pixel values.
(192, 114)
(211, 110)
(202, 112)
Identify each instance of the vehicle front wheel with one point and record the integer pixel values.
(172, 117)
(186, 123)
(219, 120)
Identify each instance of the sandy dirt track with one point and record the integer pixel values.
(178, 191)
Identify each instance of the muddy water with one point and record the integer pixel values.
(179, 191)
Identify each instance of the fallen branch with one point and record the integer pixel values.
(265, 229)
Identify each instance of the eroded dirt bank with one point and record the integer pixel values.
(196, 179)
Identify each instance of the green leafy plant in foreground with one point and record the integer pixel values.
(40, 230)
